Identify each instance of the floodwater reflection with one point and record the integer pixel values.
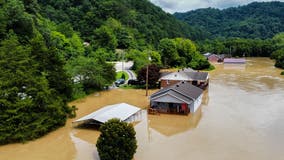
(170, 124)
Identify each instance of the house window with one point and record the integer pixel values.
(168, 82)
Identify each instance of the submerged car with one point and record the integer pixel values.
(119, 82)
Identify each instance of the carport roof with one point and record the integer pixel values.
(121, 111)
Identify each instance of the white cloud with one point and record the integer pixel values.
(172, 6)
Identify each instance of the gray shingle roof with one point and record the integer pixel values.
(197, 75)
(182, 90)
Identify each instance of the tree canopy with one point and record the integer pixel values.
(138, 19)
(278, 54)
(117, 141)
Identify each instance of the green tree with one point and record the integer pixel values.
(29, 108)
(155, 57)
(91, 73)
(199, 62)
(139, 58)
(185, 48)
(105, 38)
(280, 59)
(52, 66)
(117, 141)
(278, 55)
(168, 50)
(153, 74)
(18, 20)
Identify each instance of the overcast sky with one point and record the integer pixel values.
(172, 6)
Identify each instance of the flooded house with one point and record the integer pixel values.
(234, 61)
(196, 78)
(214, 58)
(180, 98)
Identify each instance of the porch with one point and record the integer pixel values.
(171, 108)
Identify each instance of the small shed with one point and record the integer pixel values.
(123, 111)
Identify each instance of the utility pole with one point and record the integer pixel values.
(147, 76)
(122, 61)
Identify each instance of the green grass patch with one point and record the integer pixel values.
(282, 73)
(119, 75)
(126, 86)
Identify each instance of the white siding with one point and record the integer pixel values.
(197, 102)
(191, 107)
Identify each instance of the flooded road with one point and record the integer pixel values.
(241, 117)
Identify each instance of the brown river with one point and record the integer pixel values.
(241, 118)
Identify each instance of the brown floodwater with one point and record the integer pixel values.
(241, 117)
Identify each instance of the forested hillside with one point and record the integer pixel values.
(52, 52)
(141, 19)
(256, 20)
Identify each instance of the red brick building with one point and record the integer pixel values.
(199, 79)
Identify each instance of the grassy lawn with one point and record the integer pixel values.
(119, 74)
(126, 86)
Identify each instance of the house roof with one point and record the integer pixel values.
(207, 54)
(121, 111)
(234, 60)
(185, 76)
(188, 70)
(214, 55)
(164, 73)
(172, 97)
(183, 91)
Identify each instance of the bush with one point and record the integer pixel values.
(123, 76)
(117, 141)
(282, 73)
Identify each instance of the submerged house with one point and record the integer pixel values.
(214, 58)
(234, 61)
(180, 98)
(123, 111)
(199, 79)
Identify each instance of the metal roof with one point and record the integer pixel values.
(121, 111)
(234, 60)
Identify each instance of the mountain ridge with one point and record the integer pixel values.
(256, 20)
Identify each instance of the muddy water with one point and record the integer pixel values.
(241, 117)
